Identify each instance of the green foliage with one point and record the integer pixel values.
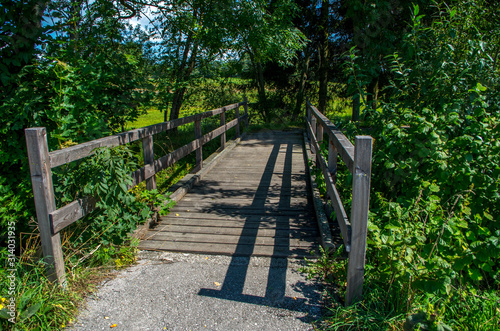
(330, 266)
(158, 203)
(433, 240)
(105, 176)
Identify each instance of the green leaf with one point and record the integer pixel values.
(30, 311)
(480, 87)
(475, 274)
(4, 314)
(434, 188)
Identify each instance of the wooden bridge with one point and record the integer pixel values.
(254, 202)
(256, 197)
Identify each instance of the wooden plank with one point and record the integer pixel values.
(340, 212)
(166, 161)
(245, 212)
(70, 213)
(196, 238)
(43, 192)
(244, 200)
(209, 194)
(264, 230)
(192, 216)
(149, 158)
(234, 250)
(359, 216)
(344, 147)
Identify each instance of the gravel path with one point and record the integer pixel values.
(171, 291)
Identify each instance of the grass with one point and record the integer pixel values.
(39, 305)
(151, 116)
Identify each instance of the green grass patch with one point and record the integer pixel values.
(150, 116)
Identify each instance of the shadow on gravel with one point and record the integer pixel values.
(232, 288)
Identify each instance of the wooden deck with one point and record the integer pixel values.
(254, 203)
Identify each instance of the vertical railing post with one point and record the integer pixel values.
(332, 159)
(199, 149)
(319, 138)
(245, 107)
(223, 123)
(308, 115)
(313, 127)
(237, 115)
(359, 217)
(43, 192)
(149, 158)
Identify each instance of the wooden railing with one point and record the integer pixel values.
(51, 220)
(358, 159)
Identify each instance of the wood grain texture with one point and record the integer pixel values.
(43, 192)
(253, 210)
(359, 217)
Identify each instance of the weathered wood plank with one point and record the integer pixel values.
(237, 220)
(228, 228)
(71, 213)
(214, 238)
(43, 192)
(225, 249)
(149, 158)
(359, 216)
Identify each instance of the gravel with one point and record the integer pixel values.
(172, 291)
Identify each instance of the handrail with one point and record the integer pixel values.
(51, 220)
(358, 159)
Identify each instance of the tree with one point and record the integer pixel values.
(265, 32)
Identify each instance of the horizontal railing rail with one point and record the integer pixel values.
(358, 159)
(51, 220)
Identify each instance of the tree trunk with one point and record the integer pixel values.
(323, 55)
(373, 93)
(355, 108)
(262, 92)
(303, 80)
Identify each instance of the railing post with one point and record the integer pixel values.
(223, 123)
(245, 107)
(237, 115)
(359, 217)
(319, 138)
(332, 159)
(43, 192)
(313, 127)
(149, 158)
(199, 150)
